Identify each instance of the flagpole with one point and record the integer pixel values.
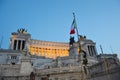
(1, 42)
(77, 33)
(79, 45)
(101, 49)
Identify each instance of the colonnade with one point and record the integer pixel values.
(48, 52)
(19, 44)
(91, 50)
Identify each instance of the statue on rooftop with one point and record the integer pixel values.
(71, 40)
(22, 30)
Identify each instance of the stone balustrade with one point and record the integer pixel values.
(58, 70)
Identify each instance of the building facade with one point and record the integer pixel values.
(30, 59)
(21, 40)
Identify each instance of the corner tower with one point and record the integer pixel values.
(19, 39)
(86, 45)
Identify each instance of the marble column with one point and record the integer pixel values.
(21, 44)
(17, 45)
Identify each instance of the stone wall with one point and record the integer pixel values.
(9, 70)
(106, 70)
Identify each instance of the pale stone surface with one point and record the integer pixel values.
(26, 67)
(18, 64)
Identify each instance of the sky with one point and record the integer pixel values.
(51, 20)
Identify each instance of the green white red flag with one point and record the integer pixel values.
(73, 26)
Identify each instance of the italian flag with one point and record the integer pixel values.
(72, 31)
